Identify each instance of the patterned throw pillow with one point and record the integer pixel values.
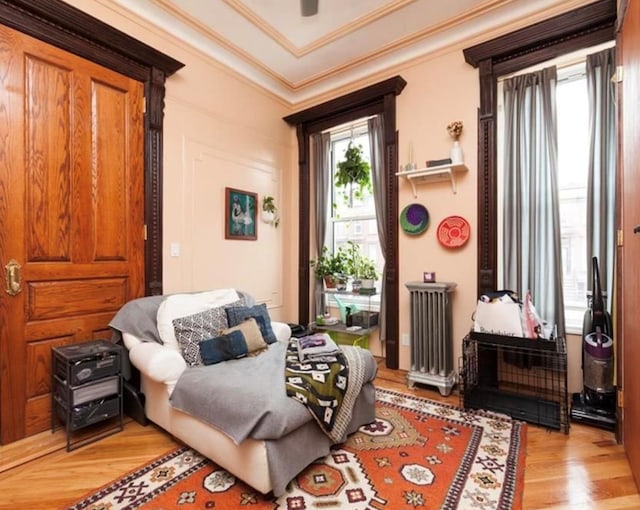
(252, 334)
(175, 306)
(193, 329)
(260, 313)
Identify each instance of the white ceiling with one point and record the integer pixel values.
(297, 58)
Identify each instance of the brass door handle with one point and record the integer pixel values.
(13, 277)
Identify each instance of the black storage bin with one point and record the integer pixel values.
(88, 413)
(365, 319)
(89, 361)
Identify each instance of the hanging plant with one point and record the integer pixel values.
(354, 172)
(270, 211)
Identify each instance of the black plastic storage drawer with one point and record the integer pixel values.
(88, 362)
(89, 413)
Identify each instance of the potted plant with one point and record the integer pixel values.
(352, 260)
(270, 211)
(361, 268)
(332, 267)
(368, 273)
(354, 172)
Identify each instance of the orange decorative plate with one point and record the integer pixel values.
(453, 231)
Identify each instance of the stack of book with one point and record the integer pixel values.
(438, 162)
(317, 347)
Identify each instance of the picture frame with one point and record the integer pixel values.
(240, 215)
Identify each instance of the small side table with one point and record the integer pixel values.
(86, 389)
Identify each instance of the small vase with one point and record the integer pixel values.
(456, 153)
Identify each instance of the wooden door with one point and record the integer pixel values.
(629, 274)
(71, 214)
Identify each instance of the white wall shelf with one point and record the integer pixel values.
(433, 173)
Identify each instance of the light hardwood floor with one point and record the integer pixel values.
(583, 470)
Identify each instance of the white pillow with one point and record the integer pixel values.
(183, 305)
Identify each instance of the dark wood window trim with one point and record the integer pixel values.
(379, 98)
(66, 27)
(583, 27)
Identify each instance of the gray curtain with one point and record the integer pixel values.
(532, 243)
(601, 186)
(379, 180)
(321, 147)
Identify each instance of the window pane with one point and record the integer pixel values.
(363, 233)
(573, 161)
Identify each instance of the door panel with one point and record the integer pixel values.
(71, 213)
(48, 107)
(629, 48)
(80, 297)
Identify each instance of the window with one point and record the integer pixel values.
(355, 222)
(573, 160)
(573, 165)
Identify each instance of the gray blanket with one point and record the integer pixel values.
(247, 398)
(243, 398)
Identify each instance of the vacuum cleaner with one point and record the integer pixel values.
(596, 404)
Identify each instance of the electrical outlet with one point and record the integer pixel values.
(405, 339)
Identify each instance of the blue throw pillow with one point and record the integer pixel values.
(223, 348)
(260, 313)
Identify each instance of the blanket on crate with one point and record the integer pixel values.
(327, 386)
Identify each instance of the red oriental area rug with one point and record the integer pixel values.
(417, 454)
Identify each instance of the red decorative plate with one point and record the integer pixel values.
(453, 231)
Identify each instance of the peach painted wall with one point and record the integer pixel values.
(438, 92)
(220, 131)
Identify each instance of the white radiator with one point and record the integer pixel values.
(431, 335)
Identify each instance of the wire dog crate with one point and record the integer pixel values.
(523, 378)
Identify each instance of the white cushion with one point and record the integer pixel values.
(157, 362)
(281, 330)
(183, 305)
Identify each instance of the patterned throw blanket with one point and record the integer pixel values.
(328, 389)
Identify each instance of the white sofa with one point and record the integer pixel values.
(161, 365)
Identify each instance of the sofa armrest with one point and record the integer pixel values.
(157, 362)
(281, 330)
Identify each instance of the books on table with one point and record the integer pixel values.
(316, 347)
